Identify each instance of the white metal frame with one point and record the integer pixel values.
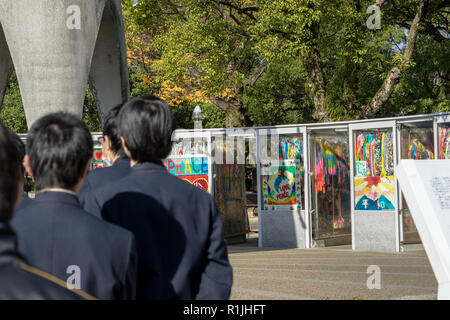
(399, 157)
(308, 177)
(299, 130)
(373, 126)
(439, 120)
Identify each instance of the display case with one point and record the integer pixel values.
(417, 143)
(330, 184)
(374, 170)
(444, 140)
(281, 175)
(232, 152)
(375, 218)
(190, 158)
(97, 155)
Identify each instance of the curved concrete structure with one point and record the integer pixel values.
(56, 47)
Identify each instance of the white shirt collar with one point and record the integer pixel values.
(58, 190)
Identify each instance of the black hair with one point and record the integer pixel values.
(59, 146)
(20, 146)
(10, 173)
(146, 124)
(111, 130)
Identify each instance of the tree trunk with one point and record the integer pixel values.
(234, 116)
(233, 112)
(318, 87)
(234, 108)
(393, 78)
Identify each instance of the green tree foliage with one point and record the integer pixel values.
(213, 117)
(255, 62)
(270, 62)
(12, 113)
(90, 113)
(280, 96)
(200, 46)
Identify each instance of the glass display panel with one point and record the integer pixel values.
(97, 155)
(417, 142)
(189, 161)
(190, 146)
(282, 172)
(374, 170)
(229, 185)
(330, 185)
(444, 141)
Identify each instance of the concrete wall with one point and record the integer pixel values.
(53, 62)
(108, 77)
(6, 66)
(282, 229)
(375, 231)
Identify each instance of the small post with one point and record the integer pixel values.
(197, 116)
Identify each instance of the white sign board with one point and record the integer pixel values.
(426, 187)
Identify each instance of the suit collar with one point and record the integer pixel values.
(149, 166)
(57, 196)
(122, 162)
(8, 246)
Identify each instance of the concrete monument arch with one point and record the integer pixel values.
(56, 47)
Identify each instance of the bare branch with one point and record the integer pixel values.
(256, 74)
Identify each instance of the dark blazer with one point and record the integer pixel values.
(22, 282)
(54, 233)
(178, 230)
(103, 176)
(25, 201)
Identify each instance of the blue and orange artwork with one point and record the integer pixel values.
(281, 185)
(374, 171)
(374, 193)
(190, 169)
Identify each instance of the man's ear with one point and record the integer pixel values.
(26, 160)
(106, 146)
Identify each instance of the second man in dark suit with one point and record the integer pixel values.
(112, 150)
(178, 228)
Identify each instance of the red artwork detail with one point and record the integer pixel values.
(98, 155)
(372, 181)
(200, 181)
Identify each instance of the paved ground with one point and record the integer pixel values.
(328, 273)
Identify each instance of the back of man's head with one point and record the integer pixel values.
(146, 125)
(59, 147)
(10, 173)
(20, 146)
(111, 130)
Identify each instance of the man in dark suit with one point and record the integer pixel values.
(112, 150)
(54, 232)
(178, 228)
(17, 279)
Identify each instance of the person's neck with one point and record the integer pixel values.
(134, 162)
(113, 158)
